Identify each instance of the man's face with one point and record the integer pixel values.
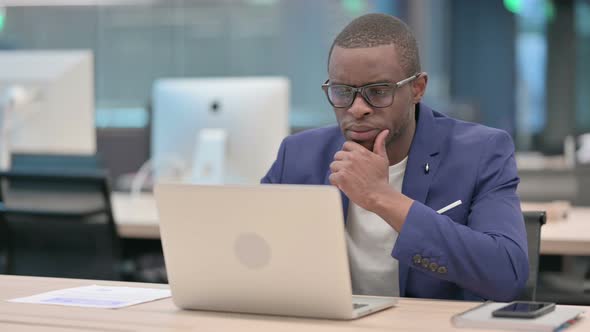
(360, 66)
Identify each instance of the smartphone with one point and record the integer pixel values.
(524, 309)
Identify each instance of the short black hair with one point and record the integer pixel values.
(373, 30)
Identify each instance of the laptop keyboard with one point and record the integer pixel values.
(358, 305)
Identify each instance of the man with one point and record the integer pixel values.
(397, 162)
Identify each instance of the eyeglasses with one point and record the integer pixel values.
(376, 94)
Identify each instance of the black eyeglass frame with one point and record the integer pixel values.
(361, 90)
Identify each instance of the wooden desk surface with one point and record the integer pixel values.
(137, 217)
(569, 236)
(162, 315)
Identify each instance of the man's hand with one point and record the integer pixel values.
(362, 174)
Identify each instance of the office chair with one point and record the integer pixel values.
(57, 163)
(533, 220)
(36, 162)
(59, 224)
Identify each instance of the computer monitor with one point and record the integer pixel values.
(218, 130)
(59, 119)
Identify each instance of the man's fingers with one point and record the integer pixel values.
(339, 180)
(341, 155)
(336, 166)
(352, 146)
(335, 179)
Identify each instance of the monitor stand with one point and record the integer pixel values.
(209, 158)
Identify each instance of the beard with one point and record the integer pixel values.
(396, 132)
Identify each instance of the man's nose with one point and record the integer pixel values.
(360, 108)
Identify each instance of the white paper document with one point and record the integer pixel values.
(96, 296)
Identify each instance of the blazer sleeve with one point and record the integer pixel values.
(275, 173)
(488, 255)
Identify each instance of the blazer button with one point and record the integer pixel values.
(417, 259)
(433, 266)
(442, 269)
(425, 262)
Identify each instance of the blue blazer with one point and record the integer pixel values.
(475, 251)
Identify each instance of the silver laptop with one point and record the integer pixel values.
(264, 249)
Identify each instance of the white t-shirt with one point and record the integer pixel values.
(370, 241)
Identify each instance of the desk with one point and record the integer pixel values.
(137, 217)
(570, 236)
(409, 314)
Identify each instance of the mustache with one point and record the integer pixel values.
(359, 126)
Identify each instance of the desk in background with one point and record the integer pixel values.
(408, 315)
(570, 236)
(137, 217)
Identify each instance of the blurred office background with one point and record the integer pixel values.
(519, 65)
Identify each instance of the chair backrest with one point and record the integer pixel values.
(57, 163)
(533, 220)
(59, 224)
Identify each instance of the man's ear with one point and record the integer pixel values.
(419, 87)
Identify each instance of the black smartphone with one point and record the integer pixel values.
(524, 309)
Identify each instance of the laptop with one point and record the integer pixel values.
(262, 249)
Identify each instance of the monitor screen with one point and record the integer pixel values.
(59, 119)
(191, 116)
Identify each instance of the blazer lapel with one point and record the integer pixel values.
(422, 164)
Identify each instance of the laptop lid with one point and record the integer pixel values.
(270, 249)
